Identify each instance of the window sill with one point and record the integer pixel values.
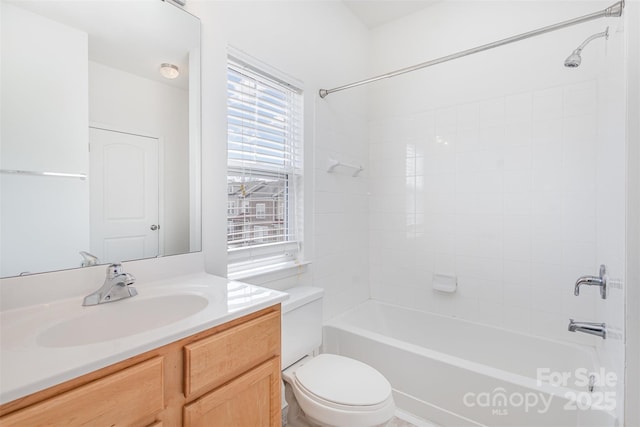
(281, 267)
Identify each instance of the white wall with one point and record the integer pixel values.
(632, 286)
(485, 168)
(45, 220)
(610, 173)
(129, 103)
(319, 43)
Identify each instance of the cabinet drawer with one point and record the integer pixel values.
(119, 399)
(215, 360)
(252, 399)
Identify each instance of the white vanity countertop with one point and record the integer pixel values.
(47, 344)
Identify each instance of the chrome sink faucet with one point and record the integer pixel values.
(598, 329)
(116, 286)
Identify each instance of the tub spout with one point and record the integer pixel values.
(598, 329)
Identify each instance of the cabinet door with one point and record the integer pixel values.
(213, 361)
(251, 400)
(121, 399)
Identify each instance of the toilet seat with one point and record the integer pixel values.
(339, 391)
(343, 381)
(338, 406)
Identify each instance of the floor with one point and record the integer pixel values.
(395, 422)
(403, 419)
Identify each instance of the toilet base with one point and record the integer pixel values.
(295, 415)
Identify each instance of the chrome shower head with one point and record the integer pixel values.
(575, 59)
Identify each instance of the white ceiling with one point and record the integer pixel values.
(377, 12)
(129, 35)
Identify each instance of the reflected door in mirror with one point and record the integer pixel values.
(124, 195)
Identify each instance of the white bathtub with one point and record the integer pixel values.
(458, 373)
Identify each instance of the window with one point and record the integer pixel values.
(261, 210)
(264, 178)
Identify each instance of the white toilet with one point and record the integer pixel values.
(331, 390)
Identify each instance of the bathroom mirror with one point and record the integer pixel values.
(100, 133)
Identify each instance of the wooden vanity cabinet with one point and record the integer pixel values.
(248, 400)
(121, 399)
(227, 376)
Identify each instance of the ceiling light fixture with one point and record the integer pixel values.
(169, 71)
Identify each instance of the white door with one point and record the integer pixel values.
(124, 181)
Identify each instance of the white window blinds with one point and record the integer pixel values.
(264, 168)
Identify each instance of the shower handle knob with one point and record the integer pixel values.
(600, 281)
(154, 227)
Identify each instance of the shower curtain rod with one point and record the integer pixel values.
(615, 10)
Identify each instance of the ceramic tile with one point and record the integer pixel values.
(468, 117)
(517, 296)
(518, 134)
(547, 132)
(446, 118)
(580, 98)
(479, 203)
(492, 113)
(469, 182)
(491, 138)
(468, 139)
(517, 157)
(519, 108)
(548, 104)
(517, 203)
(518, 181)
(517, 273)
(517, 249)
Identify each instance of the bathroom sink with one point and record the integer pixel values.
(120, 319)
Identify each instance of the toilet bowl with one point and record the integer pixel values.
(331, 390)
(339, 391)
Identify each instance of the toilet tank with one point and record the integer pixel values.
(301, 323)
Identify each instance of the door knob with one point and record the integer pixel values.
(154, 227)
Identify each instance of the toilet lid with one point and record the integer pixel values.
(343, 380)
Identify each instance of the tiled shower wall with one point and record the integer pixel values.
(488, 168)
(496, 193)
(341, 232)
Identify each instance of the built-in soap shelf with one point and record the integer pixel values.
(445, 283)
(333, 164)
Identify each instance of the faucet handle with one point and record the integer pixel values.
(114, 270)
(600, 280)
(88, 259)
